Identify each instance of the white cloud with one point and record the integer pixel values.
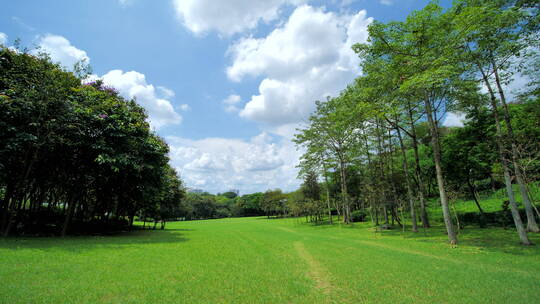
(184, 107)
(386, 2)
(125, 2)
(232, 99)
(227, 17)
(3, 39)
(231, 103)
(218, 164)
(165, 92)
(133, 85)
(61, 50)
(306, 59)
(156, 100)
(454, 119)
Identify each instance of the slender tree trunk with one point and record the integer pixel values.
(131, 217)
(328, 196)
(531, 221)
(506, 170)
(8, 197)
(371, 214)
(439, 173)
(69, 215)
(385, 212)
(472, 190)
(344, 191)
(390, 165)
(381, 172)
(370, 183)
(421, 188)
(407, 182)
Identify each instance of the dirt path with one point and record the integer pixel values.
(316, 271)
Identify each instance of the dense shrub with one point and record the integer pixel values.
(358, 216)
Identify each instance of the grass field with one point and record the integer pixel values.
(257, 260)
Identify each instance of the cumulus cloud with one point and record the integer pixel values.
(130, 85)
(3, 39)
(231, 103)
(454, 119)
(133, 84)
(61, 50)
(218, 164)
(306, 59)
(227, 17)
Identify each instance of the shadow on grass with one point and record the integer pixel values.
(489, 239)
(177, 229)
(117, 240)
(494, 239)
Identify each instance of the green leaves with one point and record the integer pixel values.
(69, 140)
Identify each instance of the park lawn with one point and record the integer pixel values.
(259, 260)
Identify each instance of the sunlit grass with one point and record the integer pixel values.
(256, 260)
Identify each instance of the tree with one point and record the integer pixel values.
(420, 46)
(490, 44)
(72, 155)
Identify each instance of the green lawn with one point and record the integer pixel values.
(256, 260)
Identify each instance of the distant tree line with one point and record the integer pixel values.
(76, 157)
(229, 204)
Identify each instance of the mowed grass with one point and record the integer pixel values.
(257, 260)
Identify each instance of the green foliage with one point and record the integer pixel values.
(359, 216)
(380, 143)
(79, 150)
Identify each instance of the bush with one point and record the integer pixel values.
(358, 216)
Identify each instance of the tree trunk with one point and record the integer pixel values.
(506, 170)
(407, 182)
(423, 213)
(531, 221)
(438, 170)
(472, 190)
(328, 197)
(131, 218)
(344, 192)
(69, 215)
(381, 172)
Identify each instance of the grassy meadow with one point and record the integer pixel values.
(259, 260)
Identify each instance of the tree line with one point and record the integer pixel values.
(383, 133)
(196, 206)
(76, 156)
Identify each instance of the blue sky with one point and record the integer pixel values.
(224, 82)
